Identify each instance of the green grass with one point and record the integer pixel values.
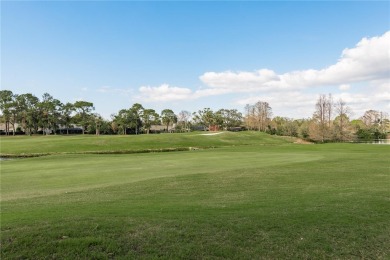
(90, 143)
(266, 198)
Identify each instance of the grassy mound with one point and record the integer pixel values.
(24, 146)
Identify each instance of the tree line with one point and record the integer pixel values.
(330, 121)
(28, 114)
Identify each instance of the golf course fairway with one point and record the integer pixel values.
(243, 195)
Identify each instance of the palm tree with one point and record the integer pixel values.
(84, 110)
(149, 118)
(6, 102)
(66, 115)
(136, 112)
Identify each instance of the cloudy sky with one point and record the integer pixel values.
(192, 55)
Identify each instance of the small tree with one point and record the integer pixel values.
(149, 118)
(183, 119)
(121, 121)
(258, 116)
(374, 125)
(6, 102)
(342, 126)
(66, 115)
(135, 113)
(168, 117)
(97, 122)
(83, 109)
(320, 127)
(28, 112)
(227, 118)
(205, 117)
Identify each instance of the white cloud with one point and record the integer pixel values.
(164, 93)
(367, 65)
(289, 103)
(211, 92)
(344, 87)
(368, 60)
(380, 86)
(237, 80)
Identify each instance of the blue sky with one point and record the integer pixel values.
(191, 55)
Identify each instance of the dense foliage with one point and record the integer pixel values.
(27, 114)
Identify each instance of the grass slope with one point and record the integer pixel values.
(89, 143)
(250, 201)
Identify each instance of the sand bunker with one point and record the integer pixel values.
(212, 133)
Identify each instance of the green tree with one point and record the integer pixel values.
(66, 115)
(49, 109)
(28, 112)
(284, 126)
(96, 125)
(342, 128)
(303, 127)
(105, 127)
(6, 103)
(45, 108)
(205, 117)
(136, 112)
(55, 115)
(227, 118)
(168, 117)
(149, 117)
(372, 125)
(14, 111)
(121, 121)
(83, 110)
